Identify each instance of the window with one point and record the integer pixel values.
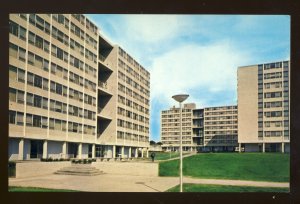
(20, 96)
(45, 84)
(44, 122)
(20, 117)
(12, 94)
(38, 81)
(273, 114)
(30, 58)
(21, 75)
(13, 73)
(273, 94)
(45, 103)
(17, 30)
(52, 105)
(30, 78)
(57, 124)
(51, 124)
(29, 99)
(29, 120)
(12, 117)
(13, 50)
(37, 101)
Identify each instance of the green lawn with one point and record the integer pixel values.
(34, 189)
(221, 188)
(244, 166)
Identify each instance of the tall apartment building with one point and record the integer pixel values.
(64, 91)
(208, 129)
(263, 107)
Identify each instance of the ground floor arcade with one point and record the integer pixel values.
(283, 147)
(24, 149)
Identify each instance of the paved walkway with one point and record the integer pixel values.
(183, 156)
(124, 183)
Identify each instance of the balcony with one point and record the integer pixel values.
(105, 89)
(104, 113)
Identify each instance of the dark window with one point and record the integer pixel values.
(14, 28)
(38, 101)
(36, 121)
(12, 117)
(38, 81)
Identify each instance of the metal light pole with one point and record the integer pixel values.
(180, 98)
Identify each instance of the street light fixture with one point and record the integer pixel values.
(180, 98)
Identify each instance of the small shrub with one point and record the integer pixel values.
(84, 161)
(61, 159)
(50, 159)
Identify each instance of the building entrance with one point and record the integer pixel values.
(36, 149)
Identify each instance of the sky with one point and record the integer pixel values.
(196, 54)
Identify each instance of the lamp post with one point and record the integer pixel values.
(180, 98)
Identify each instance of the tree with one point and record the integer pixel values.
(159, 143)
(152, 142)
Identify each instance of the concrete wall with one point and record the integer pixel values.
(31, 169)
(247, 104)
(128, 168)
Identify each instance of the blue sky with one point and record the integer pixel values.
(196, 54)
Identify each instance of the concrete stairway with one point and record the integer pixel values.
(79, 170)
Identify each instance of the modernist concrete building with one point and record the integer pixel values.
(72, 93)
(208, 129)
(263, 107)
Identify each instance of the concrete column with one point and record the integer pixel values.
(129, 156)
(45, 149)
(64, 150)
(79, 151)
(93, 151)
(147, 153)
(122, 152)
(136, 153)
(282, 147)
(21, 149)
(263, 147)
(240, 147)
(142, 153)
(114, 151)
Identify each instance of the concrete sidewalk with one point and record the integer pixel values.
(100, 183)
(125, 183)
(235, 182)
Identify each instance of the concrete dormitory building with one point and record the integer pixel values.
(263, 107)
(206, 129)
(259, 123)
(72, 93)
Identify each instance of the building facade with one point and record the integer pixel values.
(209, 129)
(263, 107)
(64, 91)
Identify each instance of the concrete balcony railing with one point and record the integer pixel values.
(102, 84)
(105, 112)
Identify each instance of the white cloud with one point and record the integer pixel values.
(194, 67)
(154, 28)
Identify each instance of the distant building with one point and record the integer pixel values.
(208, 129)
